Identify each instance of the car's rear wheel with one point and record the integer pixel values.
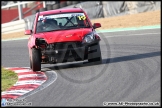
(36, 60)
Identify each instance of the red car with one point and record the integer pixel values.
(63, 35)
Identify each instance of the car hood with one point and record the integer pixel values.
(64, 35)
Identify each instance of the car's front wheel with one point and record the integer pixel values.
(35, 60)
(94, 55)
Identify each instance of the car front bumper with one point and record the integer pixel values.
(65, 55)
(69, 54)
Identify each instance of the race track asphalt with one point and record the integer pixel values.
(130, 72)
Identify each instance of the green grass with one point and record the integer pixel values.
(8, 79)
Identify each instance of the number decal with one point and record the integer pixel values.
(82, 17)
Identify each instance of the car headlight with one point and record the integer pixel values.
(89, 38)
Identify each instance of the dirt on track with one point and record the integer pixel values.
(133, 20)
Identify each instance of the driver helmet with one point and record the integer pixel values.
(44, 20)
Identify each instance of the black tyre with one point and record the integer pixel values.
(69, 3)
(42, 9)
(36, 60)
(63, 4)
(95, 57)
(49, 7)
(56, 6)
(75, 2)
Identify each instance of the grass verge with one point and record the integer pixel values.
(8, 79)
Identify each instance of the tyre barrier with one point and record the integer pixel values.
(69, 3)
(56, 6)
(42, 9)
(49, 7)
(75, 2)
(63, 4)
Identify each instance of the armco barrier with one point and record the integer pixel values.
(14, 26)
(94, 10)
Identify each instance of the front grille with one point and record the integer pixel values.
(65, 45)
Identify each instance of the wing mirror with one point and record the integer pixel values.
(28, 32)
(96, 25)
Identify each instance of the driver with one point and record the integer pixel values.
(47, 24)
(42, 25)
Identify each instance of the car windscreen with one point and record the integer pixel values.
(63, 21)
